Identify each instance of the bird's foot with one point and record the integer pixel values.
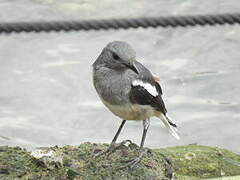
(133, 162)
(112, 148)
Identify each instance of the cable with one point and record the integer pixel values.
(144, 22)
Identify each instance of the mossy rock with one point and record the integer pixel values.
(70, 162)
(199, 162)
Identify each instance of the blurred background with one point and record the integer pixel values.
(46, 92)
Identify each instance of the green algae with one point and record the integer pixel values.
(190, 162)
(195, 161)
(225, 178)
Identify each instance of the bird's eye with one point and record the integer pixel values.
(115, 56)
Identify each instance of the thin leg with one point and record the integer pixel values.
(118, 132)
(146, 124)
(113, 145)
(136, 160)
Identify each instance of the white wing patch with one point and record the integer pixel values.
(151, 89)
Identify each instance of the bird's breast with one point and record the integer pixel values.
(113, 87)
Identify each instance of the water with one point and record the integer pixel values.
(46, 92)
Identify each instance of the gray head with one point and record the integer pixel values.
(117, 55)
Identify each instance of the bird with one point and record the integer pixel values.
(129, 90)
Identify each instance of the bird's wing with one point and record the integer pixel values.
(147, 93)
(146, 90)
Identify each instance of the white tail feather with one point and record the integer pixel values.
(170, 120)
(171, 129)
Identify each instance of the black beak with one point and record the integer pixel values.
(132, 67)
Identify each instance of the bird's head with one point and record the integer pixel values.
(118, 55)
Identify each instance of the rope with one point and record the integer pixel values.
(172, 21)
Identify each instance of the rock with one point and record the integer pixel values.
(48, 157)
(70, 162)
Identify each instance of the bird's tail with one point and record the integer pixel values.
(169, 125)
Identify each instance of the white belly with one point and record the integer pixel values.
(131, 112)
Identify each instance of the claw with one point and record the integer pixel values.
(112, 148)
(132, 163)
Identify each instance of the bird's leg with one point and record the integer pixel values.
(113, 145)
(117, 134)
(141, 152)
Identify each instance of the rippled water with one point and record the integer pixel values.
(46, 92)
